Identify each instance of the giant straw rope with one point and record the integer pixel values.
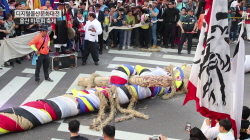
(36, 113)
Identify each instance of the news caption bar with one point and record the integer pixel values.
(28, 21)
(37, 13)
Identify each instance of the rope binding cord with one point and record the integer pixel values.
(15, 115)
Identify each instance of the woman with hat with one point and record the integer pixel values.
(78, 26)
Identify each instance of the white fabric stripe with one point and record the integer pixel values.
(94, 99)
(177, 57)
(45, 87)
(143, 61)
(118, 133)
(62, 105)
(4, 70)
(56, 139)
(122, 96)
(136, 53)
(27, 70)
(71, 104)
(40, 115)
(11, 88)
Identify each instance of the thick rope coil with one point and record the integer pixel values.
(112, 110)
(101, 113)
(183, 88)
(129, 110)
(92, 80)
(173, 87)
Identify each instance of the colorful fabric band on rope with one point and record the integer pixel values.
(43, 111)
(120, 75)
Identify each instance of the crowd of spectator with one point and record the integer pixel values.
(167, 22)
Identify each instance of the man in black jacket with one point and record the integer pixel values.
(74, 129)
(170, 18)
(161, 7)
(100, 17)
(72, 10)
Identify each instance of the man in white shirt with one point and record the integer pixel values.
(92, 29)
(234, 3)
(210, 132)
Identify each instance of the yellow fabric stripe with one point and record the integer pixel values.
(48, 43)
(3, 130)
(90, 107)
(33, 47)
(134, 92)
(139, 68)
(126, 69)
(99, 89)
(162, 89)
(74, 92)
(46, 113)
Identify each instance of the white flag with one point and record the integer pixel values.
(210, 83)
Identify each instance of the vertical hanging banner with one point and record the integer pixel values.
(213, 80)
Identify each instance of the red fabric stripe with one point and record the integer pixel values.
(118, 80)
(191, 95)
(87, 109)
(9, 124)
(42, 105)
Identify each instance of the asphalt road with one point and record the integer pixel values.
(166, 116)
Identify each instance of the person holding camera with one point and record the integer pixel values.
(188, 25)
(210, 132)
(180, 5)
(10, 26)
(3, 30)
(135, 32)
(130, 22)
(170, 18)
(119, 20)
(153, 11)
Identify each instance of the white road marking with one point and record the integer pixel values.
(45, 87)
(11, 88)
(137, 53)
